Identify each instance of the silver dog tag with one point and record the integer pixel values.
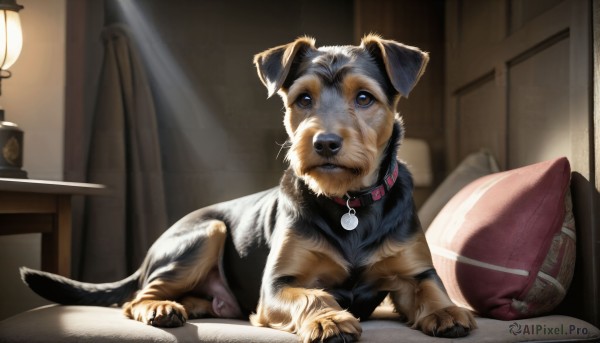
(349, 221)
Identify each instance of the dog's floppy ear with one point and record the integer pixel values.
(404, 64)
(274, 64)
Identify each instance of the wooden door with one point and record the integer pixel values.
(518, 76)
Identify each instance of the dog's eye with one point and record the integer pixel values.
(364, 99)
(304, 101)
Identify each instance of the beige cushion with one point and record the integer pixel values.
(471, 168)
(100, 324)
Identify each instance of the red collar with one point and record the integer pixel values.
(373, 194)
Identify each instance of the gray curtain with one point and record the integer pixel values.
(124, 155)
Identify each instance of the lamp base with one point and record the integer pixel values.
(11, 151)
(13, 173)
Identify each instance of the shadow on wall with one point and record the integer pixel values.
(577, 302)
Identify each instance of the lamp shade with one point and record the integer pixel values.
(11, 36)
(415, 152)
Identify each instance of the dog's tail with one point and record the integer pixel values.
(62, 290)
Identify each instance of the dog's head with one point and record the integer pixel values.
(340, 106)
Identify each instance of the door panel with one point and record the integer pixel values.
(523, 11)
(479, 117)
(538, 106)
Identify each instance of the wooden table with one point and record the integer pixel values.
(35, 206)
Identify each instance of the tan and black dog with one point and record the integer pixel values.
(322, 250)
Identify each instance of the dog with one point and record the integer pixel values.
(322, 250)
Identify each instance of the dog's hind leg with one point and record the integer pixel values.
(175, 267)
(196, 307)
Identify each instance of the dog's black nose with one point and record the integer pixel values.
(327, 144)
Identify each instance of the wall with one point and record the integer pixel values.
(34, 99)
(34, 96)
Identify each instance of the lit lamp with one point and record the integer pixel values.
(11, 42)
(415, 152)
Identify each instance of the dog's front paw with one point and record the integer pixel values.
(449, 322)
(331, 327)
(160, 313)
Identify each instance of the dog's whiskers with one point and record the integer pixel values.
(285, 145)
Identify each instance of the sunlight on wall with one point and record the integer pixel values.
(195, 144)
(161, 63)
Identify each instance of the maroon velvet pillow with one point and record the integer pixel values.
(504, 245)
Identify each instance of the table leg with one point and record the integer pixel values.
(56, 245)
